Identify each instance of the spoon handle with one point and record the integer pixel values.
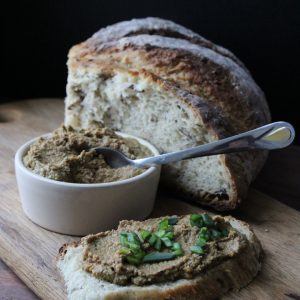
(271, 136)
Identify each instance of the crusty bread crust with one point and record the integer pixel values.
(194, 68)
(157, 26)
(234, 273)
(219, 128)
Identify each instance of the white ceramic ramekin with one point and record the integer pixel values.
(80, 209)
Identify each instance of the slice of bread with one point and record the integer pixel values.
(233, 273)
(171, 58)
(181, 120)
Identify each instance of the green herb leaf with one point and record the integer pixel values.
(152, 239)
(131, 249)
(124, 251)
(203, 230)
(204, 233)
(157, 244)
(169, 235)
(123, 239)
(158, 256)
(176, 246)
(177, 250)
(173, 221)
(208, 221)
(140, 255)
(167, 242)
(164, 224)
(215, 234)
(225, 232)
(197, 249)
(133, 260)
(134, 247)
(132, 237)
(160, 233)
(145, 234)
(196, 220)
(201, 242)
(195, 217)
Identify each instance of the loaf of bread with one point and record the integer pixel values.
(230, 273)
(160, 81)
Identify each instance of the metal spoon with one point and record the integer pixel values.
(271, 136)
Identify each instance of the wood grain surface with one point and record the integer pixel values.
(30, 250)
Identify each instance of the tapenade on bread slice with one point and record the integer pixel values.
(66, 155)
(194, 256)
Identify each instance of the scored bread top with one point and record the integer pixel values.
(156, 26)
(198, 69)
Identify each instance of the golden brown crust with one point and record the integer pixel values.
(219, 128)
(62, 251)
(197, 70)
(157, 26)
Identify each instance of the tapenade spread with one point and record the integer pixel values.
(65, 155)
(161, 250)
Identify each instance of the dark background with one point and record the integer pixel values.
(265, 35)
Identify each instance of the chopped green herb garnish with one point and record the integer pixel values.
(201, 242)
(123, 239)
(173, 221)
(201, 220)
(134, 247)
(204, 233)
(131, 247)
(157, 244)
(164, 224)
(176, 246)
(215, 234)
(169, 235)
(124, 251)
(133, 260)
(132, 237)
(207, 220)
(160, 233)
(208, 231)
(177, 250)
(195, 217)
(140, 255)
(152, 239)
(133, 252)
(158, 256)
(145, 234)
(196, 220)
(225, 232)
(203, 230)
(197, 249)
(167, 242)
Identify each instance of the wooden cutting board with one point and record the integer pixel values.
(30, 250)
